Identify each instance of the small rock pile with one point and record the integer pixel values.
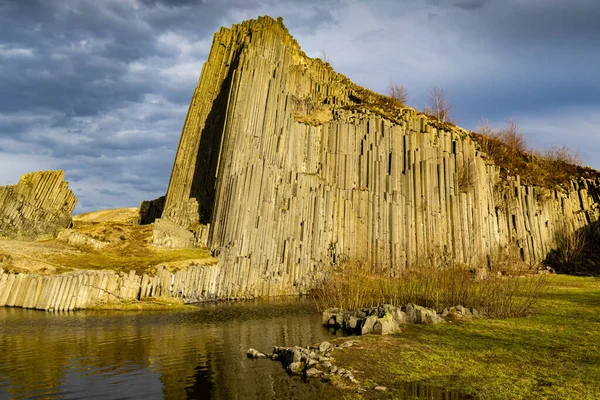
(387, 319)
(309, 362)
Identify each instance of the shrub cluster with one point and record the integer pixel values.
(508, 148)
(354, 285)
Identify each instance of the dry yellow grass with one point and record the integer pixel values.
(128, 247)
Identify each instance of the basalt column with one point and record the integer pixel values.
(295, 168)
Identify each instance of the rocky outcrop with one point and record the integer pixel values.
(388, 319)
(150, 210)
(40, 204)
(296, 168)
(84, 289)
(310, 361)
(169, 235)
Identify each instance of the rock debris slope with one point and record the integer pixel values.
(295, 167)
(40, 204)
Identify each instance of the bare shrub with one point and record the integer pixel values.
(354, 285)
(397, 92)
(562, 155)
(490, 140)
(438, 105)
(513, 138)
(569, 246)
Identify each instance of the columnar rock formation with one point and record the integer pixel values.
(84, 289)
(295, 167)
(40, 204)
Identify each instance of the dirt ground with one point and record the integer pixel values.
(106, 239)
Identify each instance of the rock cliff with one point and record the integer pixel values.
(295, 167)
(40, 204)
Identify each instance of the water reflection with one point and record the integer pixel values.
(194, 354)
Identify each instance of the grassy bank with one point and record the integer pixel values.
(553, 354)
(146, 304)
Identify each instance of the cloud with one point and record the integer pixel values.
(101, 89)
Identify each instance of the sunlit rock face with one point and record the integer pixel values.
(295, 168)
(41, 204)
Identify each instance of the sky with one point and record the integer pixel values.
(100, 88)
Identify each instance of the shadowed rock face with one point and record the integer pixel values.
(295, 167)
(40, 204)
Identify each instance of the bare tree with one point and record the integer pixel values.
(397, 92)
(438, 105)
(514, 138)
(325, 57)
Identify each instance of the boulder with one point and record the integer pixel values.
(368, 324)
(426, 316)
(386, 325)
(252, 353)
(333, 317)
(325, 347)
(296, 368)
(313, 373)
(409, 311)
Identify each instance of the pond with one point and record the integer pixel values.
(196, 354)
(199, 354)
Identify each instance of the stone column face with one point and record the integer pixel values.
(295, 168)
(40, 204)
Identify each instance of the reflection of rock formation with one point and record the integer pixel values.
(182, 355)
(295, 167)
(40, 204)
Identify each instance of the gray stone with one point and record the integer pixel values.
(353, 323)
(386, 325)
(348, 343)
(313, 373)
(409, 310)
(326, 365)
(325, 347)
(368, 324)
(255, 354)
(328, 314)
(311, 362)
(296, 368)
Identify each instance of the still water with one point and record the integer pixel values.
(199, 354)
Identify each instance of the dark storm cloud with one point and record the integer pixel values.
(101, 88)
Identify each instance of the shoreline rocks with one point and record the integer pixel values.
(309, 362)
(387, 319)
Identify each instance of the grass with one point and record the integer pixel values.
(553, 354)
(129, 246)
(102, 260)
(356, 285)
(145, 304)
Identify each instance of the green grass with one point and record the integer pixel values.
(553, 354)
